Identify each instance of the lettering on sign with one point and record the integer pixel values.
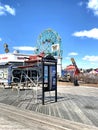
(20, 58)
(4, 58)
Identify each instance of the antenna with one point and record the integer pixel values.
(6, 47)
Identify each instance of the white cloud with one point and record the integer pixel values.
(10, 10)
(2, 12)
(25, 48)
(73, 54)
(91, 58)
(93, 33)
(93, 5)
(6, 9)
(0, 39)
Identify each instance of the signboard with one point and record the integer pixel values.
(49, 76)
(12, 57)
(46, 74)
(52, 77)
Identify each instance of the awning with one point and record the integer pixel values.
(3, 63)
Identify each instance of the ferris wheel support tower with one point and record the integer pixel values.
(49, 42)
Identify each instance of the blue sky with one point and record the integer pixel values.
(76, 21)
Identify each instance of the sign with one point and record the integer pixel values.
(52, 77)
(12, 57)
(55, 47)
(46, 74)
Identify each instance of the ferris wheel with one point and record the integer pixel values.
(49, 42)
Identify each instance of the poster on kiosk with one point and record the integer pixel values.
(52, 77)
(46, 74)
(49, 78)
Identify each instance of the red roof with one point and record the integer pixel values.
(70, 67)
(35, 58)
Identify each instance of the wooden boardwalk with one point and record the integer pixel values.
(78, 104)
